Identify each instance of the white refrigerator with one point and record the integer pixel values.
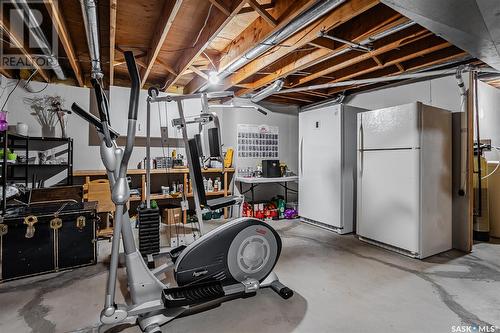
(404, 179)
(327, 167)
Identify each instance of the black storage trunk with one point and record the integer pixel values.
(64, 237)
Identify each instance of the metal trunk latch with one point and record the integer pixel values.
(80, 222)
(3, 229)
(56, 223)
(30, 222)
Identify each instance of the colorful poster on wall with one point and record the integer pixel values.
(258, 141)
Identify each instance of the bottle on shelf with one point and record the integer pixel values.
(205, 184)
(210, 185)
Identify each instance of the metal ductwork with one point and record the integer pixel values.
(39, 36)
(315, 12)
(89, 13)
(416, 75)
(471, 25)
(268, 91)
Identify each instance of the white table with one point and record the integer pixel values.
(255, 181)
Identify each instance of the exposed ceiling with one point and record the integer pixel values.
(472, 25)
(179, 42)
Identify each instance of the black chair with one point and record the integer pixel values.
(212, 204)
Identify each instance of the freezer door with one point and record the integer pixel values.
(388, 197)
(390, 128)
(320, 165)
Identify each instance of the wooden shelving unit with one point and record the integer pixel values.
(138, 180)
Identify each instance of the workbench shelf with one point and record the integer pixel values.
(160, 177)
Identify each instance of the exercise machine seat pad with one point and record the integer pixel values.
(214, 204)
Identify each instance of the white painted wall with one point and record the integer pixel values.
(286, 119)
(19, 111)
(489, 116)
(442, 93)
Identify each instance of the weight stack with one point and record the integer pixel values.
(149, 231)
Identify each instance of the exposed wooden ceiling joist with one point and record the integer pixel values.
(198, 72)
(169, 12)
(263, 13)
(340, 15)
(415, 50)
(396, 41)
(265, 6)
(256, 32)
(113, 4)
(324, 43)
(373, 23)
(451, 54)
(60, 26)
(218, 21)
(221, 7)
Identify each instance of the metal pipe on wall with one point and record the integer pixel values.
(89, 13)
(463, 145)
(315, 12)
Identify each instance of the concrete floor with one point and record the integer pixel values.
(340, 283)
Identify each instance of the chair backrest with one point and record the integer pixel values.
(98, 190)
(196, 168)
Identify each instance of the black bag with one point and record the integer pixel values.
(47, 237)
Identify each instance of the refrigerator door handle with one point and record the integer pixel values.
(301, 156)
(360, 149)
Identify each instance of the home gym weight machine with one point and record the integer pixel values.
(204, 118)
(231, 261)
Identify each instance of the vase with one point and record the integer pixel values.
(22, 129)
(48, 131)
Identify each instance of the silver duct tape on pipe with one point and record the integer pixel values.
(318, 10)
(89, 13)
(39, 37)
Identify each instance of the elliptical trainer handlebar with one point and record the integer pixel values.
(132, 111)
(103, 107)
(103, 114)
(136, 82)
(93, 120)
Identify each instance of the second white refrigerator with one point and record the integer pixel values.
(327, 167)
(404, 179)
